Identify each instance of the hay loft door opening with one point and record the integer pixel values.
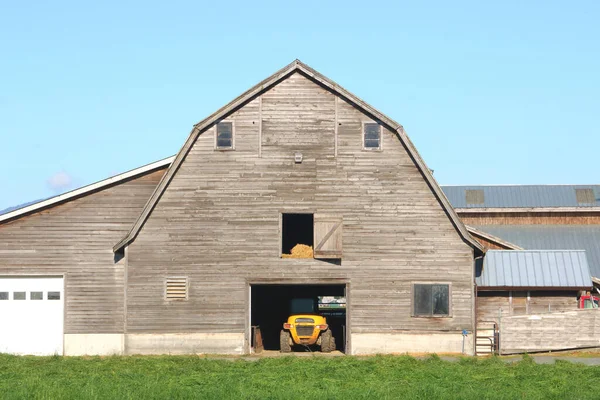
(271, 305)
(297, 230)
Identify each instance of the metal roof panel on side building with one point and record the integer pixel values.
(535, 269)
(523, 196)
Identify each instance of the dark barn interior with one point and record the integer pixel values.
(296, 229)
(270, 308)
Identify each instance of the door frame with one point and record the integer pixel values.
(302, 281)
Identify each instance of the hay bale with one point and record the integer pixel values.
(300, 251)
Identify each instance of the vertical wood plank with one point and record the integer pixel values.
(336, 127)
(260, 126)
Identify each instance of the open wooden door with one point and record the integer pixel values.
(328, 236)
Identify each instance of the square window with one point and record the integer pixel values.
(36, 296)
(18, 295)
(225, 135)
(3, 295)
(431, 300)
(371, 136)
(53, 295)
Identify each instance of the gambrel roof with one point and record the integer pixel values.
(297, 66)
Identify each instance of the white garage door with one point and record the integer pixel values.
(31, 315)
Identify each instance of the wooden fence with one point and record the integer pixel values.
(549, 332)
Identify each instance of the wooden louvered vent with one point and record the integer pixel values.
(176, 288)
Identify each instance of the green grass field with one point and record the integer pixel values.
(380, 377)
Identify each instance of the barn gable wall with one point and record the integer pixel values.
(218, 222)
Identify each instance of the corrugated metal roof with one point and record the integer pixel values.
(522, 196)
(553, 237)
(535, 269)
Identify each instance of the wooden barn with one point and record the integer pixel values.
(187, 255)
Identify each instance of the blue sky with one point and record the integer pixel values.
(489, 92)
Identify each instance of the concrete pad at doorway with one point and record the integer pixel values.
(276, 353)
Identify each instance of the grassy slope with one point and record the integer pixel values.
(291, 377)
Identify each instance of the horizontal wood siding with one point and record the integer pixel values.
(548, 301)
(530, 218)
(492, 304)
(549, 332)
(76, 239)
(218, 222)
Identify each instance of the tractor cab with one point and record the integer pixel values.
(304, 306)
(305, 326)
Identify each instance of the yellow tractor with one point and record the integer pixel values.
(306, 327)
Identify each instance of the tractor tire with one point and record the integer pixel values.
(284, 342)
(327, 342)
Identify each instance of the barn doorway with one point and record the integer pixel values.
(272, 304)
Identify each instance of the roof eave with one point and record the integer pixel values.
(491, 238)
(481, 210)
(532, 288)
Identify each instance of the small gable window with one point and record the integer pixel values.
(371, 136)
(224, 135)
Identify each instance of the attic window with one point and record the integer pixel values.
(371, 136)
(474, 197)
(297, 231)
(224, 136)
(176, 288)
(585, 196)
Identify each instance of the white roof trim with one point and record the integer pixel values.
(86, 189)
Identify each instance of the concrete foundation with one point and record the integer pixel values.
(185, 343)
(233, 343)
(102, 344)
(390, 343)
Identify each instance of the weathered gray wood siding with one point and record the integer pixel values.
(492, 305)
(218, 221)
(76, 239)
(553, 331)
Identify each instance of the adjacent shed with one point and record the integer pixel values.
(515, 282)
